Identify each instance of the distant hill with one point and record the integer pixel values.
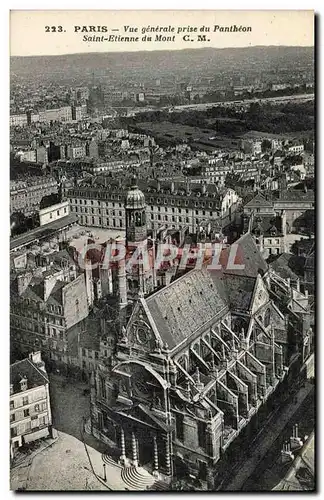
(259, 58)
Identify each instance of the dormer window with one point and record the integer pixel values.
(23, 384)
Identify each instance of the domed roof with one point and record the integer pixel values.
(135, 197)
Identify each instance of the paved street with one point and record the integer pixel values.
(269, 472)
(266, 440)
(69, 404)
(64, 466)
(68, 464)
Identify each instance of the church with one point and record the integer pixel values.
(193, 372)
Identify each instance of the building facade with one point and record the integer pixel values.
(30, 408)
(195, 368)
(168, 204)
(47, 309)
(54, 212)
(25, 196)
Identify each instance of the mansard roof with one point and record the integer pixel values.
(26, 369)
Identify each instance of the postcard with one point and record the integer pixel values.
(162, 251)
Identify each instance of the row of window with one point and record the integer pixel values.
(27, 426)
(272, 242)
(50, 307)
(159, 201)
(58, 212)
(97, 211)
(121, 214)
(25, 400)
(28, 411)
(88, 353)
(101, 222)
(98, 202)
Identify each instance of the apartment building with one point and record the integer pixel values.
(18, 120)
(47, 307)
(25, 196)
(30, 408)
(177, 205)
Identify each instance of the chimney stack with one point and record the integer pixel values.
(36, 358)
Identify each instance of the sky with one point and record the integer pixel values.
(29, 35)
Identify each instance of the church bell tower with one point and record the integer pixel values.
(135, 209)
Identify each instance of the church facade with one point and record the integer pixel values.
(196, 364)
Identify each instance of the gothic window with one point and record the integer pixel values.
(179, 426)
(202, 434)
(267, 318)
(196, 348)
(102, 388)
(183, 361)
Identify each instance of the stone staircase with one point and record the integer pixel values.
(160, 486)
(110, 461)
(137, 478)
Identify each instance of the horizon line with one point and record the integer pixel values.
(163, 50)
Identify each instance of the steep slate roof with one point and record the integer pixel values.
(240, 291)
(248, 255)
(186, 305)
(288, 266)
(26, 368)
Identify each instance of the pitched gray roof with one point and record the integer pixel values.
(26, 369)
(246, 254)
(186, 305)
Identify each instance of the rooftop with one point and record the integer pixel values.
(42, 232)
(26, 369)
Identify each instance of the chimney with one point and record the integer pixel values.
(204, 187)
(36, 358)
(172, 187)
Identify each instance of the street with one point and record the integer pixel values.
(276, 430)
(69, 404)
